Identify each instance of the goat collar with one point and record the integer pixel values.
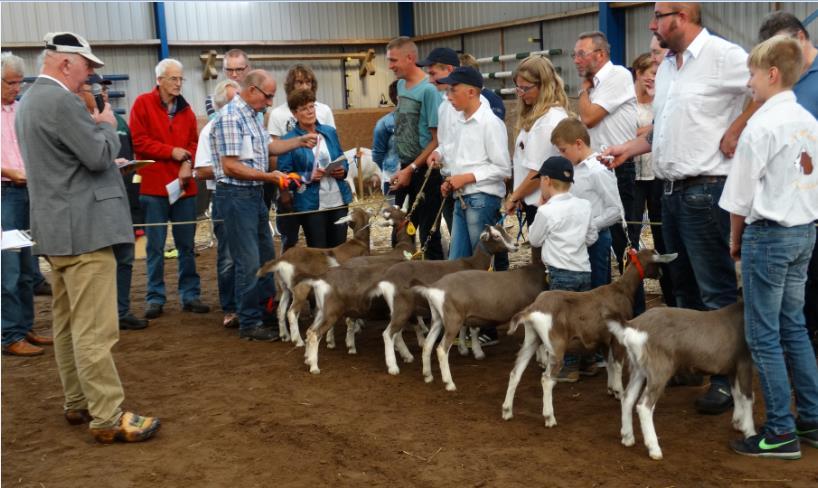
(635, 261)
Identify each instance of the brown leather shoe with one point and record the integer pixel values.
(38, 339)
(22, 348)
(77, 417)
(131, 428)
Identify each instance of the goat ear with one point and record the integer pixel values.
(344, 220)
(664, 258)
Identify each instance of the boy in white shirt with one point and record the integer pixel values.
(478, 161)
(772, 196)
(595, 183)
(564, 229)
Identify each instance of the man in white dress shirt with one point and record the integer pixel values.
(607, 106)
(700, 111)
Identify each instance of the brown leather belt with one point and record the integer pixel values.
(671, 186)
(11, 184)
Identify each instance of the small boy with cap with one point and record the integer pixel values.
(563, 228)
(477, 160)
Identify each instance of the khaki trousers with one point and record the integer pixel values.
(86, 327)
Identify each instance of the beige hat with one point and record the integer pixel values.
(68, 42)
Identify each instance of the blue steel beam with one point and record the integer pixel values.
(406, 19)
(612, 24)
(161, 29)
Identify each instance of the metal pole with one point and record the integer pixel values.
(522, 55)
(161, 29)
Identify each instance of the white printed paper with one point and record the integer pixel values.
(175, 191)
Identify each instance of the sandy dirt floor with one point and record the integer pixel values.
(245, 414)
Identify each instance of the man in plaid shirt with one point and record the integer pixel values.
(241, 148)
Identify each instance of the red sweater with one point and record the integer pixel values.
(154, 137)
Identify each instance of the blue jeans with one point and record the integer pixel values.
(159, 210)
(124, 254)
(17, 270)
(481, 209)
(250, 243)
(695, 227)
(600, 255)
(567, 280)
(226, 276)
(774, 268)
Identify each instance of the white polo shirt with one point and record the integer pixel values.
(204, 153)
(563, 229)
(769, 180)
(533, 147)
(597, 184)
(695, 105)
(283, 121)
(613, 90)
(480, 146)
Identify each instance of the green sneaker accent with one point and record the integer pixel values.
(804, 432)
(763, 444)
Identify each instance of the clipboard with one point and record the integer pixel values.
(135, 164)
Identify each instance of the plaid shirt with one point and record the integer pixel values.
(237, 132)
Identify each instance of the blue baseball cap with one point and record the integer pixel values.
(465, 75)
(442, 55)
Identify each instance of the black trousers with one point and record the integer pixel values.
(648, 194)
(625, 182)
(424, 216)
(320, 229)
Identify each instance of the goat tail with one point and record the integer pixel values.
(385, 289)
(516, 321)
(270, 266)
(434, 296)
(632, 339)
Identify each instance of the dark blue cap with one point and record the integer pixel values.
(465, 75)
(558, 168)
(442, 55)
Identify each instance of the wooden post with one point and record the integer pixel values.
(360, 182)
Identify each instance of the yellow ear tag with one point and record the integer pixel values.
(407, 255)
(410, 229)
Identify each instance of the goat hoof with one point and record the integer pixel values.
(451, 387)
(507, 413)
(408, 359)
(315, 370)
(299, 343)
(463, 352)
(352, 351)
(394, 371)
(550, 422)
(428, 378)
(615, 393)
(330, 345)
(628, 441)
(480, 356)
(656, 455)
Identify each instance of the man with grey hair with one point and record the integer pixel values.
(164, 129)
(225, 91)
(78, 211)
(235, 67)
(17, 265)
(240, 153)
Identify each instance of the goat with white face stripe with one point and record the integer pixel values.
(577, 321)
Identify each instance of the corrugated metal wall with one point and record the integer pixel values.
(433, 17)
(109, 21)
(255, 21)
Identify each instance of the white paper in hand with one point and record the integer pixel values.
(175, 191)
(14, 240)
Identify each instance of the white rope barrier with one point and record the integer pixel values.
(520, 55)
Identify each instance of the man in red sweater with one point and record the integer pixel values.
(164, 129)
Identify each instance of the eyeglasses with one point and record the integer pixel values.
(235, 71)
(583, 54)
(524, 89)
(657, 15)
(268, 96)
(13, 82)
(174, 79)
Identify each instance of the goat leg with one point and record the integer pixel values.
(637, 379)
(476, 348)
(461, 342)
(281, 312)
(421, 330)
(428, 345)
(645, 410)
(402, 349)
(523, 357)
(443, 360)
(614, 367)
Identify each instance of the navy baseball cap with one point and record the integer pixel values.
(465, 75)
(558, 168)
(442, 55)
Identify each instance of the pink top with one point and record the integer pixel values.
(11, 157)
